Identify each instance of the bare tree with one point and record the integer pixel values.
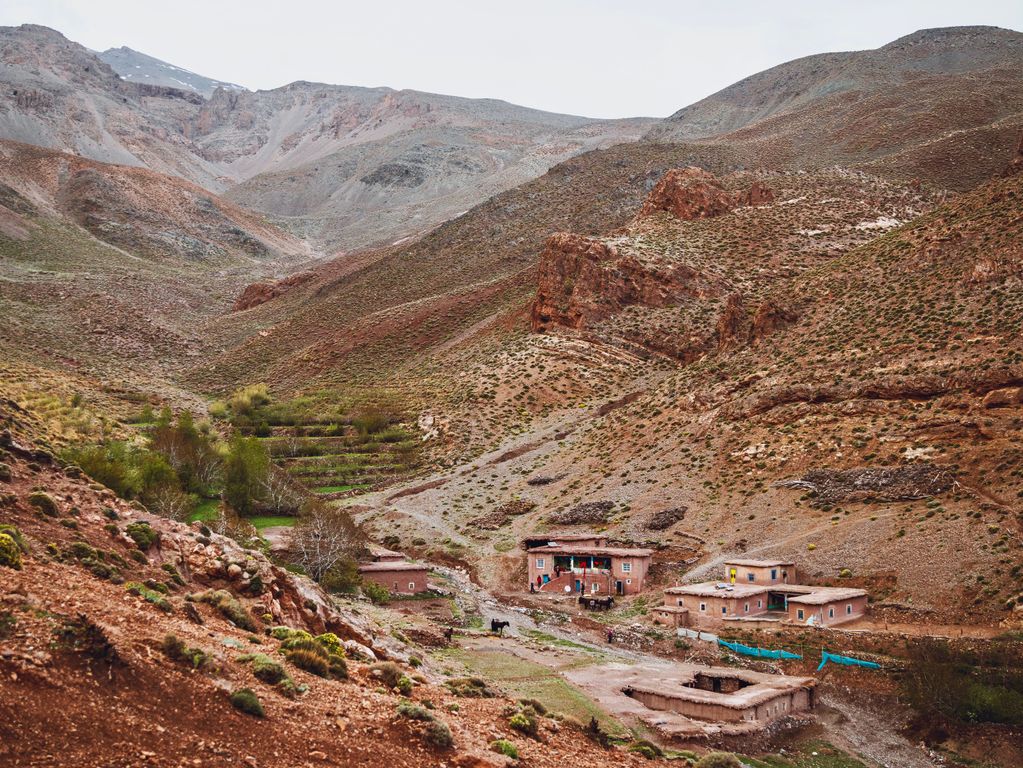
(167, 500)
(326, 537)
(279, 493)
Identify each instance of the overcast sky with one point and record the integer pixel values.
(598, 58)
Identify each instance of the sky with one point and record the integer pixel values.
(597, 58)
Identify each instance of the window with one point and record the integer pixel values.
(703, 606)
(848, 609)
(541, 563)
(628, 581)
(746, 608)
(681, 602)
(799, 614)
(831, 613)
(626, 567)
(750, 577)
(760, 603)
(412, 586)
(774, 574)
(594, 587)
(724, 609)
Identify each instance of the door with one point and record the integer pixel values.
(578, 586)
(731, 575)
(619, 588)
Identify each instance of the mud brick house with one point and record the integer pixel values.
(724, 694)
(391, 570)
(759, 571)
(585, 564)
(755, 589)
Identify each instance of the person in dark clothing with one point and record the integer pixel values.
(610, 635)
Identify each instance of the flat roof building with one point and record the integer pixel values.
(400, 578)
(587, 566)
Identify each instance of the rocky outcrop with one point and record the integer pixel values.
(911, 481)
(693, 193)
(688, 193)
(583, 280)
(1016, 163)
(769, 318)
(733, 325)
(259, 293)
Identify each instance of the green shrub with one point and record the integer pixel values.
(229, 608)
(5, 473)
(332, 643)
(10, 552)
(44, 503)
(15, 534)
(149, 596)
(718, 760)
(470, 688)
(525, 722)
(264, 668)
(245, 700)
(506, 748)
(648, 749)
(414, 711)
(310, 661)
(438, 734)
(142, 534)
(175, 649)
(404, 685)
(377, 594)
(387, 672)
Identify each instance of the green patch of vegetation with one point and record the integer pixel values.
(142, 534)
(150, 596)
(10, 552)
(261, 522)
(44, 503)
(314, 657)
(229, 607)
(647, 749)
(414, 711)
(470, 688)
(245, 700)
(341, 488)
(505, 747)
(377, 593)
(264, 668)
(176, 650)
(808, 754)
(206, 511)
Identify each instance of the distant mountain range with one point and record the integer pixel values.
(138, 67)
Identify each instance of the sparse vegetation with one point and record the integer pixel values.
(245, 700)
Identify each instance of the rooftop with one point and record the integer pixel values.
(760, 687)
(718, 589)
(375, 550)
(824, 595)
(759, 563)
(385, 566)
(581, 549)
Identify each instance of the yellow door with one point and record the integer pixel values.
(731, 575)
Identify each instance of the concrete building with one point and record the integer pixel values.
(726, 695)
(587, 566)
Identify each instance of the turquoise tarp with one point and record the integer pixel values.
(760, 653)
(847, 661)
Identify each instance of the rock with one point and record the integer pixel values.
(1003, 398)
(688, 193)
(666, 518)
(733, 325)
(582, 280)
(770, 317)
(234, 571)
(758, 194)
(259, 293)
(903, 483)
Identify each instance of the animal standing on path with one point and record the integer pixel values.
(497, 626)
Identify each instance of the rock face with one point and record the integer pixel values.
(693, 193)
(1016, 164)
(688, 193)
(260, 293)
(907, 482)
(583, 280)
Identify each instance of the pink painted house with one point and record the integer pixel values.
(587, 567)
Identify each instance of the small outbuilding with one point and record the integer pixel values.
(400, 578)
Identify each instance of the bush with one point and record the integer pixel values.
(229, 608)
(15, 534)
(719, 760)
(525, 722)
(310, 661)
(176, 650)
(387, 672)
(312, 656)
(439, 735)
(377, 594)
(404, 685)
(10, 552)
(332, 643)
(470, 688)
(414, 711)
(287, 633)
(44, 503)
(506, 748)
(264, 668)
(142, 534)
(149, 595)
(245, 700)
(648, 749)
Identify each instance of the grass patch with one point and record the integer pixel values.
(340, 488)
(206, 511)
(271, 521)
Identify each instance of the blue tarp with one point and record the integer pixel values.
(760, 653)
(847, 661)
